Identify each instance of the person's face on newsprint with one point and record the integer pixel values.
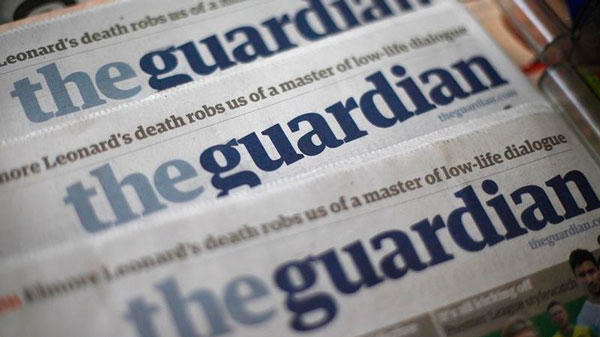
(588, 277)
(559, 316)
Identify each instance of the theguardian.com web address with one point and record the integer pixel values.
(573, 230)
(478, 104)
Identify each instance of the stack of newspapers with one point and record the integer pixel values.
(287, 168)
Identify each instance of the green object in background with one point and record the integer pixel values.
(591, 76)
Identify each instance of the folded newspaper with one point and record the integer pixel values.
(400, 178)
(89, 61)
(277, 119)
(450, 235)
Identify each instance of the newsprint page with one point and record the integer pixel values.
(356, 92)
(294, 168)
(449, 236)
(72, 66)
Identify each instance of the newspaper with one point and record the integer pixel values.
(93, 60)
(452, 236)
(355, 93)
